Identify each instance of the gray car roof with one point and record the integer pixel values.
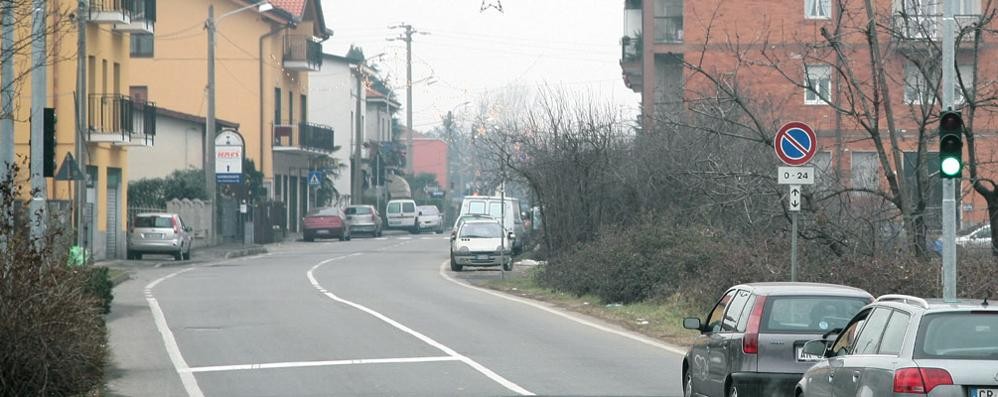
(788, 288)
(154, 214)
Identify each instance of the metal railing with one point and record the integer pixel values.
(299, 48)
(308, 136)
(144, 10)
(124, 6)
(118, 114)
(630, 48)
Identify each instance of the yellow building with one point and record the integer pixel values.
(113, 121)
(262, 64)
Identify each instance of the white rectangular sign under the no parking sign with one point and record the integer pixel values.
(796, 176)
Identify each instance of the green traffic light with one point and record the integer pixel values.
(951, 166)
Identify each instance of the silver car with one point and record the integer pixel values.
(159, 233)
(364, 219)
(753, 340)
(907, 346)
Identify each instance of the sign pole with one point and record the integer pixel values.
(949, 190)
(794, 211)
(795, 144)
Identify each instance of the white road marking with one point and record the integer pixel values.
(301, 364)
(186, 377)
(450, 352)
(405, 238)
(381, 238)
(636, 337)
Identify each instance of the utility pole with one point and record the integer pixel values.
(38, 95)
(949, 193)
(7, 88)
(355, 183)
(209, 127)
(406, 35)
(81, 121)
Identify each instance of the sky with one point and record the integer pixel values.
(572, 45)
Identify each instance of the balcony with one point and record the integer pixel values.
(111, 11)
(302, 53)
(119, 120)
(304, 138)
(143, 18)
(630, 61)
(919, 31)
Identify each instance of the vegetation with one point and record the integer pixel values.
(156, 192)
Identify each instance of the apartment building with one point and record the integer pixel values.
(778, 52)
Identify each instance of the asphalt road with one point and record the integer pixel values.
(369, 317)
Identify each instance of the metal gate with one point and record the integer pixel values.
(113, 212)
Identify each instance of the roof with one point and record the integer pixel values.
(788, 288)
(942, 305)
(155, 214)
(295, 7)
(192, 118)
(293, 11)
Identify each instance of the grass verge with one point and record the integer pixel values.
(661, 320)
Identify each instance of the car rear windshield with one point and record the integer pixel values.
(481, 230)
(809, 314)
(978, 339)
(408, 207)
(429, 210)
(330, 211)
(154, 221)
(358, 211)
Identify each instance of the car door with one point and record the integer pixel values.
(863, 352)
(818, 379)
(876, 367)
(711, 360)
(733, 333)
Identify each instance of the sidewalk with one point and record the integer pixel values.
(121, 267)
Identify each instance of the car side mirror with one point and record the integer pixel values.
(511, 236)
(692, 323)
(817, 348)
(188, 229)
(420, 213)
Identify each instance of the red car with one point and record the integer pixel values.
(326, 222)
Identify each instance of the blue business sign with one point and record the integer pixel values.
(229, 178)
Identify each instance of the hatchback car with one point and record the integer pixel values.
(364, 219)
(753, 340)
(907, 346)
(481, 242)
(159, 233)
(430, 219)
(326, 222)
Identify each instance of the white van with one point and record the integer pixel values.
(492, 206)
(401, 214)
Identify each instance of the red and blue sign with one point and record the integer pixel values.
(795, 143)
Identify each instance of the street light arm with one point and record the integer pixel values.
(261, 7)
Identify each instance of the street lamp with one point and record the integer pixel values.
(211, 187)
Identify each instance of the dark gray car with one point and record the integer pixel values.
(752, 342)
(908, 346)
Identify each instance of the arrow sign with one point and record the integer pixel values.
(795, 198)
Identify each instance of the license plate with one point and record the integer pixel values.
(482, 257)
(322, 231)
(155, 236)
(801, 356)
(983, 392)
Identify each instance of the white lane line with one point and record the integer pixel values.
(635, 337)
(301, 364)
(186, 377)
(405, 238)
(450, 352)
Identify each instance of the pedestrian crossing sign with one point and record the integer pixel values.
(314, 178)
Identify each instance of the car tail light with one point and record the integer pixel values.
(373, 218)
(750, 343)
(920, 380)
(176, 225)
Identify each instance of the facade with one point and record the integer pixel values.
(430, 156)
(334, 103)
(664, 41)
(114, 123)
(263, 61)
(380, 109)
(178, 145)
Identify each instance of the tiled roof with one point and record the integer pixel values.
(295, 7)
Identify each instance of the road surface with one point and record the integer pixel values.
(369, 317)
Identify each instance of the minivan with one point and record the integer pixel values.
(401, 214)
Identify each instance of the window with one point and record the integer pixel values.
(916, 86)
(476, 207)
(869, 338)
(965, 73)
(897, 327)
(865, 170)
(811, 314)
(304, 109)
(141, 45)
(968, 7)
(408, 207)
(358, 211)
(818, 84)
(394, 208)
(668, 21)
(481, 230)
(717, 315)
(277, 106)
(978, 332)
(139, 93)
(848, 335)
(291, 107)
(160, 222)
(817, 9)
(919, 85)
(734, 313)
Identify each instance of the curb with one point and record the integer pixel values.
(245, 252)
(120, 278)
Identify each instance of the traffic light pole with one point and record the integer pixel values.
(949, 190)
(38, 95)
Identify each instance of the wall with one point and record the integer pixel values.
(333, 102)
(179, 145)
(430, 156)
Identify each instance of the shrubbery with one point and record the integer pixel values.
(53, 341)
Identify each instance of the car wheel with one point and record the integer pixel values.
(308, 237)
(732, 390)
(454, 266)
(138, 256)
(349, 235)
(179, 255)
(688, 384)
(343, 237)
(187, 255)
(130, 255)
(508, 266)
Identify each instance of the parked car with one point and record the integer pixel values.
(430, 219)
(752, 341)
(364, 219)
(905, 346)
(493, 206)
(326, 222)
(975, 238)
(159, 233)
(401, 214)
(481, 242)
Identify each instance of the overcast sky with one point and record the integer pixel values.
(571, 44)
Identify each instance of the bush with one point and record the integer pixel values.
(52, 336)
(99, 287)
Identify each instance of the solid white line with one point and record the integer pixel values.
(186, 377)
(450, 352)
(636, 337)
(300, 364)
(405, 238)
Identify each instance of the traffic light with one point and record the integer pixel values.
(951, 144)
(48, 148)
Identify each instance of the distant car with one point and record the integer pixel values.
(401, 214)
(481, 242)
(326, 222)
(907, 346)
(978, 237)
(159, 233)
(364, 219)
(430, 219)
(752, 343)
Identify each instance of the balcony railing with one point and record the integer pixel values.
(119, 119)
(630, 49)
(111, 11)
(143, 17)
(304, 137)
(302, 53)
